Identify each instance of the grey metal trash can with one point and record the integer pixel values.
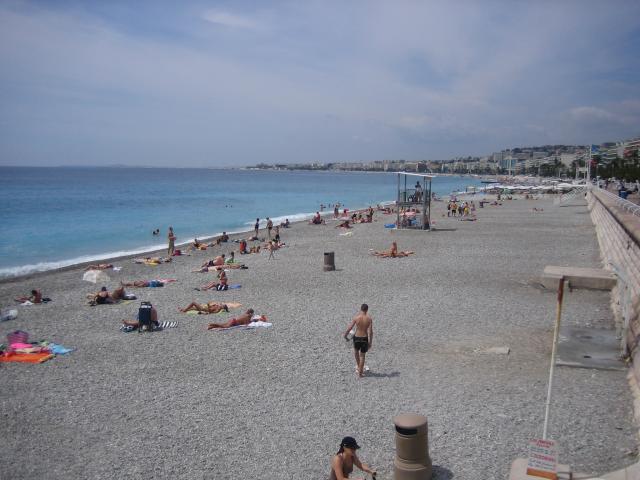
(329, 262)
(412, 460)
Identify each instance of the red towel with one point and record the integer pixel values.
(26, 357)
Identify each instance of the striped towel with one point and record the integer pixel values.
(164, 325)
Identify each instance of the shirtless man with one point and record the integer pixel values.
(363, 338)
(244, 319)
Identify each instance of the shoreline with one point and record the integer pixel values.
(108, 258)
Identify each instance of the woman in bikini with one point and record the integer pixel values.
(221, 285)
(244, 319)
(343, 462)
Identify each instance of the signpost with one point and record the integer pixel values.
(543, 459)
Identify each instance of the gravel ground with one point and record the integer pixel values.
(186, 403)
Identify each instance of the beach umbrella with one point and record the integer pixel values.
(94, 276)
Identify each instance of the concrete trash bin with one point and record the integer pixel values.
(329, 261)
(412, 460)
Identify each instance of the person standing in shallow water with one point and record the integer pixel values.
(363, 338)
(172, 241)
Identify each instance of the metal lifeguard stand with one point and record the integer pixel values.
(416, 197)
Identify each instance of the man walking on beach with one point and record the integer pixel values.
(363, 338)
(172, 242)
(257, 227)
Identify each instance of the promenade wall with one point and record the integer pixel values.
(618, 233)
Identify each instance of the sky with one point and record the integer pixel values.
(235, 83)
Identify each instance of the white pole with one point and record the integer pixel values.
(589, 165)
(556, 333)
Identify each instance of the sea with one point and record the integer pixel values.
(60, 216)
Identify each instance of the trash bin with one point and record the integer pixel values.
(623, 194)
(412, 460)
(329, 262)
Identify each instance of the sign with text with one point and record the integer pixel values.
(543, 459)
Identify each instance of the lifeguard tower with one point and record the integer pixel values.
(414, 201)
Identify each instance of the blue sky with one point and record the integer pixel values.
(236, 83)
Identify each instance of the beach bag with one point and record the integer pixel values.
(17, 337)
(144, 317)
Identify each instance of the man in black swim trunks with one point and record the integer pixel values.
(363, 338)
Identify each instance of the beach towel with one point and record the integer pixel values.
(346, 234)
(26, 357)
(117, 269)
(389, 225)
(259, 324)
(162, 326)
(59, 349)
(235, 286)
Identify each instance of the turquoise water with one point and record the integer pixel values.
(54, 217)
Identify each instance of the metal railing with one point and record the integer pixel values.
(621, 202)
(570, 195)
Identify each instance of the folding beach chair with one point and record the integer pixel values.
(144, 318)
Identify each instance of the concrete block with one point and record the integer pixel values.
(519, 471)
(591, 278)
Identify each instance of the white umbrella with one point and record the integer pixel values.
(94, 276)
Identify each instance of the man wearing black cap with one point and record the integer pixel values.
(343, 462)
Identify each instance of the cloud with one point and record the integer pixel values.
(414, 79)
(230, 20)
(591, 114)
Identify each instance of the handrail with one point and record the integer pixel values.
(621, 202)
(565, 197)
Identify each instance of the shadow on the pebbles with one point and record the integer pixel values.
(382, 375)
(441, 473)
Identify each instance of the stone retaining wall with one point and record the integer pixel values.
(618, 234)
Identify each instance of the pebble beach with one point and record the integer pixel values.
(274, 403)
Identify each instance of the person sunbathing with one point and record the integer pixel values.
(153, 260)
(103, 297)
(316, 220)
(343, 224)
(36, 297)
(219, 260)
(205, 308)
(244, 319)
(198, 245)
(392, 252)
(242, 247)
(255, 249)
(221, 285)
(144, 283)
(100, 266)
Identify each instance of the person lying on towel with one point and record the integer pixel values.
(100, 266)
(393, 252)
(144, 283)
(103, 297)
(244, 319)
(205, 308)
